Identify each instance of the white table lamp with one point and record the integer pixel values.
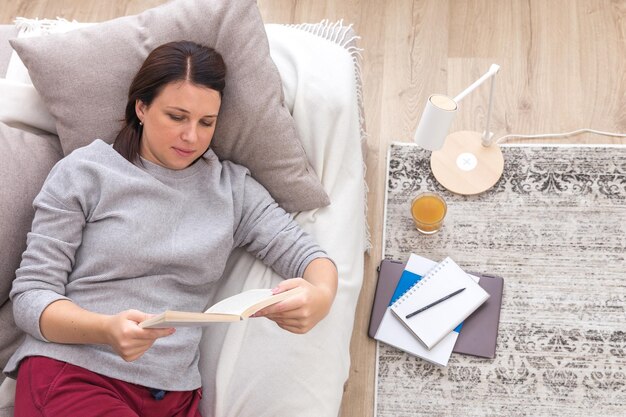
(464, 162)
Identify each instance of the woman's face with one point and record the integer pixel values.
(178, 125)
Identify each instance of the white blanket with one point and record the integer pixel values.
(254, 368)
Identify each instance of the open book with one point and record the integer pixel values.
(235, 308)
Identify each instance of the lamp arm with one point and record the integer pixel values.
(492, 71)
(487, 135)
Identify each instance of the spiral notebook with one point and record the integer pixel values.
(432, 325)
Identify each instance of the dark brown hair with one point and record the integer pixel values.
(171, 62)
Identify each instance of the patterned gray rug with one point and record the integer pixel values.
(554, 227)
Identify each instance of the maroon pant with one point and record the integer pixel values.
(50, 388)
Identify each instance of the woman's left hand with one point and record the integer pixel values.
(300, 313)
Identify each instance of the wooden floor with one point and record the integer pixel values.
(563, 68)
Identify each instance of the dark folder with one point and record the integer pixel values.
(479, 332)
(389, 273)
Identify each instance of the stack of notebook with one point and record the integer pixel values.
(431, 309)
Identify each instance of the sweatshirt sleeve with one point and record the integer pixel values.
(55, 235)
(271, 234)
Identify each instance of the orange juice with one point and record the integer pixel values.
(428, 211)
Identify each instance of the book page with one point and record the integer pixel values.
(239, 303)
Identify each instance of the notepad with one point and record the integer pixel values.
(435, 323)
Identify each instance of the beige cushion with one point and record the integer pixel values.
(25, 160)
(83, 77)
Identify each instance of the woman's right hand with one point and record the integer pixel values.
(129, 340)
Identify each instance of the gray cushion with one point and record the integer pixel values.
(25, 160)
(83, 78)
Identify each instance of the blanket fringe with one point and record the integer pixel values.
(343, 35)
(42, 26)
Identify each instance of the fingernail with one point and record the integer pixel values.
(275, 290)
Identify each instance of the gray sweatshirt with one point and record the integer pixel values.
(112, 236)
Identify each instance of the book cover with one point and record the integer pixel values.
(391, 330)
(238, 307)
(434, 323)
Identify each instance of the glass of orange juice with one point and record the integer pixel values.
(428, 211)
